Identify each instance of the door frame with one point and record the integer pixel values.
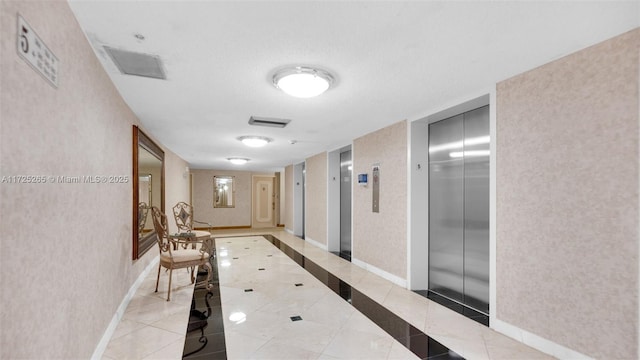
(253, 198)
(418, 185)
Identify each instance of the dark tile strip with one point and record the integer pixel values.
(342, 254)
(205, 332)
(408, 335)
(455, 306)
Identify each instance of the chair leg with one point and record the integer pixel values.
(158, 278)
(209, 275)
(170, 277)
(193, 279)
(207, 265)
(207, 281)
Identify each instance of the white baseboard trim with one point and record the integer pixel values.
(537, 342)
(106, 337)
(315, 243)
(385, 275)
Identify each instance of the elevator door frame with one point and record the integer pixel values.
(459, 286)
(417, 246)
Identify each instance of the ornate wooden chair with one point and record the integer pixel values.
(183, 214)
(181, 255)
(143, 211)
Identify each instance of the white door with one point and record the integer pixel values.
(263, 202)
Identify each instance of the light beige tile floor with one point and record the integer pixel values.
(330, 327)
(151, 327)
(155, 329)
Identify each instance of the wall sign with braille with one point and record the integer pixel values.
(375, 181)
(33, 50)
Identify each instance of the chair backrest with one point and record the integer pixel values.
(183, 213)
(143, 211)
(161, 226)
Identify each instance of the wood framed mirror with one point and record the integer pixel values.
(148, 190)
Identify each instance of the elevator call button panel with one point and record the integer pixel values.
(375, 181)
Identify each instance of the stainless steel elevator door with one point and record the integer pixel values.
(446, 208)
(476, 209)
(345, 203)
(459, 208)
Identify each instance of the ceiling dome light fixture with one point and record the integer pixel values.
(302, 81)
(255, 141)
(238, 161)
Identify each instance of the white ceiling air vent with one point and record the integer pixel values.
(272, 122)
(138, 64)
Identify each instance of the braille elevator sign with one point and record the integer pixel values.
(36, 53)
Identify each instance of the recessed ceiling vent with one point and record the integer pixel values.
(272, 122)
(138, 64)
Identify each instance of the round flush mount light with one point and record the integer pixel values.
(303, 81)
(238, 161)
(255, 141)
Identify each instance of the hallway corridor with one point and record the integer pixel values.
(258, 309)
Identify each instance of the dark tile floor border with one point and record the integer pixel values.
(455, 306)
(205, 333)
(408, 335)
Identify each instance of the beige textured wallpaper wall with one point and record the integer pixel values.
(288, 197)
(567, 199)
(76, 254)
(203, 208)
(380, 239)
(315, 215)
(176, 185)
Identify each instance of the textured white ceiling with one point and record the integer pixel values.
(393, 60)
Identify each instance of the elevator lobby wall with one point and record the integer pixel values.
(287, 210)
(380, 238)
(315, 213)
(567, 200)
(238, 216)
(68, 243)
